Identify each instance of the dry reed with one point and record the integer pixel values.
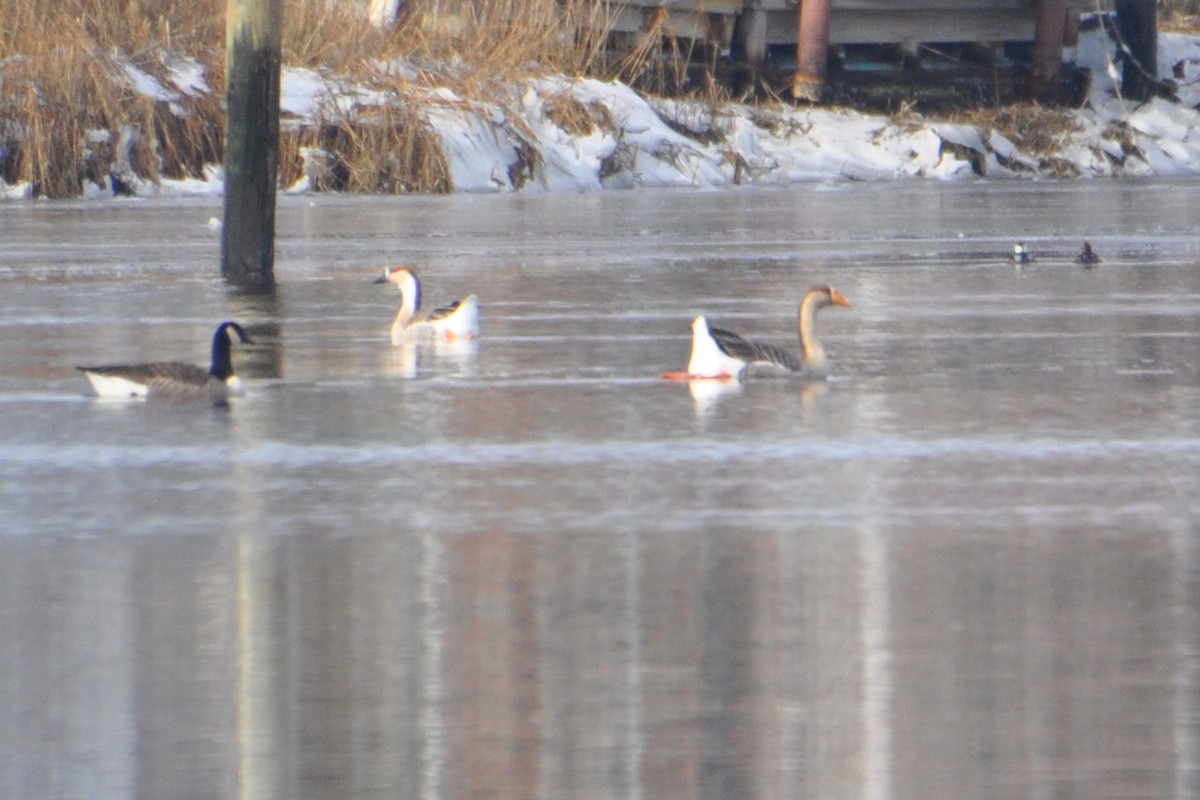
(69, 112)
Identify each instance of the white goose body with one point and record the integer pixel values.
(456, 320)
(172, 380)
(720, 354)
(709, 359)
(1021, 254)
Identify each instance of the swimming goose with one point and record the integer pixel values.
(458, 320)
(1088, 257)
(173, 380)
(717, 353)
(1021, 254)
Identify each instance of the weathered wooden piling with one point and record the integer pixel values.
(812, 50)
(252, 60)
(1137, 25)
(750, 35)
(1045, 62)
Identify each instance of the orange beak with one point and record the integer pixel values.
(837, 299)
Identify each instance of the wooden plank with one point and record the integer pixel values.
(698, 6)
(917, 6)
(898, 6)
(899, 26)
(967, 21)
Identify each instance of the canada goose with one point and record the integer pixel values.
(1088, 256)
(173, 380)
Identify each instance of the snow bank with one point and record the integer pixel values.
(519, 142)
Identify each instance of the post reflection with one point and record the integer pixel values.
(716, 664)
(259, 313)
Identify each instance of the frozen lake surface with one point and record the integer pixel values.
(968, 565)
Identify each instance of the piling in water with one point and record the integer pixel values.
(251, 141)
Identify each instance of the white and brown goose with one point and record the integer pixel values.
(456, 320)
(173, 380)
(720, 354)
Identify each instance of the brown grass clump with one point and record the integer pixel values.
(67, 103)
(569, 114)
(69, 112)
(1179, 16)
(394, 152)
(1036, 129)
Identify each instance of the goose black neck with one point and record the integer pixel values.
(222, 364)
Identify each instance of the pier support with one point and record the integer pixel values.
(1049, 33)
(1138, 27)
(750, 36)
(812, 49)
(252, 59)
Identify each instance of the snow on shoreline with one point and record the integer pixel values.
(674, 143)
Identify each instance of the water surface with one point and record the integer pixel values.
(965, 566)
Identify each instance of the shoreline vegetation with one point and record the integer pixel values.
(123, 93)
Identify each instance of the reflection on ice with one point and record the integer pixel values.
(520, 566)
(708, 392)
(440, 357)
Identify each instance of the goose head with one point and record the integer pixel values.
(404, 279)
(222, 363)
(812, 355)
(826, 296)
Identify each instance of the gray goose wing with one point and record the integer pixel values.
(444, 311)
(162, 378)
(753, 352)
(163, 371)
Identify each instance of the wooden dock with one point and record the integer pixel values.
(749, 30)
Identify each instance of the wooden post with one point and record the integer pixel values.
(812, 49)
(1049, 32)
(750, 35)
(1138, 27)
(251, 141)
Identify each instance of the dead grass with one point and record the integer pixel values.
(1036, 129)
(1179, 16)
(66, 103)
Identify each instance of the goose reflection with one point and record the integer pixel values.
(457, 357)
(708, 394)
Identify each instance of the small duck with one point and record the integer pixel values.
(1021, 254)
(458, 320)
(1088, 256)
(173, 380)
(720, 354)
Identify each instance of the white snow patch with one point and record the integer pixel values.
(187, 75)
(145, 84)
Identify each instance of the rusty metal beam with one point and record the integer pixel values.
(812, 49)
